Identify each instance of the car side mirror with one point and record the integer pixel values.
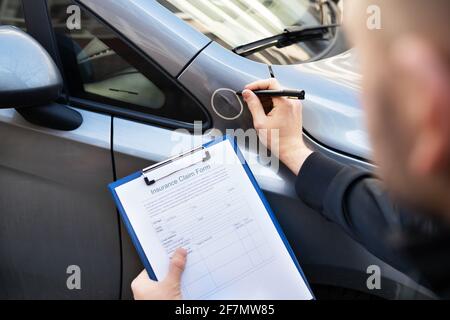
(28, 75)
(30, 82)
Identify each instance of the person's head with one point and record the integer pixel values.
(406, 94)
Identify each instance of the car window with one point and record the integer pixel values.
(11, 13)
(237, 22)
(102, 67)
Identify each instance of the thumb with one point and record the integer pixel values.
(177, 265)
(255, 106)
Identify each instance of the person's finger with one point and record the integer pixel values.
(177, 266)
(267, 84)
(256, 108)
(143, 276)
(281, 101)
(141, 281)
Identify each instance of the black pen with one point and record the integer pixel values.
(290, 94)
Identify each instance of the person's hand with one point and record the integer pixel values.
(169, 289)
(281, 129)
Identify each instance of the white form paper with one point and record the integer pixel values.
(212, 210)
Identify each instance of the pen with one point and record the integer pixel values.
(290, 94)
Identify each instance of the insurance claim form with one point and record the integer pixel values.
(213, 210)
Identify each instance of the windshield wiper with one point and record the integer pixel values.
(289, 37)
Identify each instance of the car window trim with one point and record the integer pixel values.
(136, 116)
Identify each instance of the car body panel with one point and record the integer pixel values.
(156, 31)
(216, 68)
(332, 110)
(56, 210)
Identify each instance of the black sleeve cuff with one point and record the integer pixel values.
(314, 179)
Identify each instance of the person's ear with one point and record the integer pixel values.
(428, 75)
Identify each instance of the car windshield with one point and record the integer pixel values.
(236, 22)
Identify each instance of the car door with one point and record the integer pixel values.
(56, 217)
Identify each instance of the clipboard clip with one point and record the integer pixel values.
(199, 155)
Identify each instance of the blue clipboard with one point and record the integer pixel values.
(138, 175)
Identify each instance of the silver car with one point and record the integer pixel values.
(135, 71)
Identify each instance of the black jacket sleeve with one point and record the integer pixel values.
(355, 199)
